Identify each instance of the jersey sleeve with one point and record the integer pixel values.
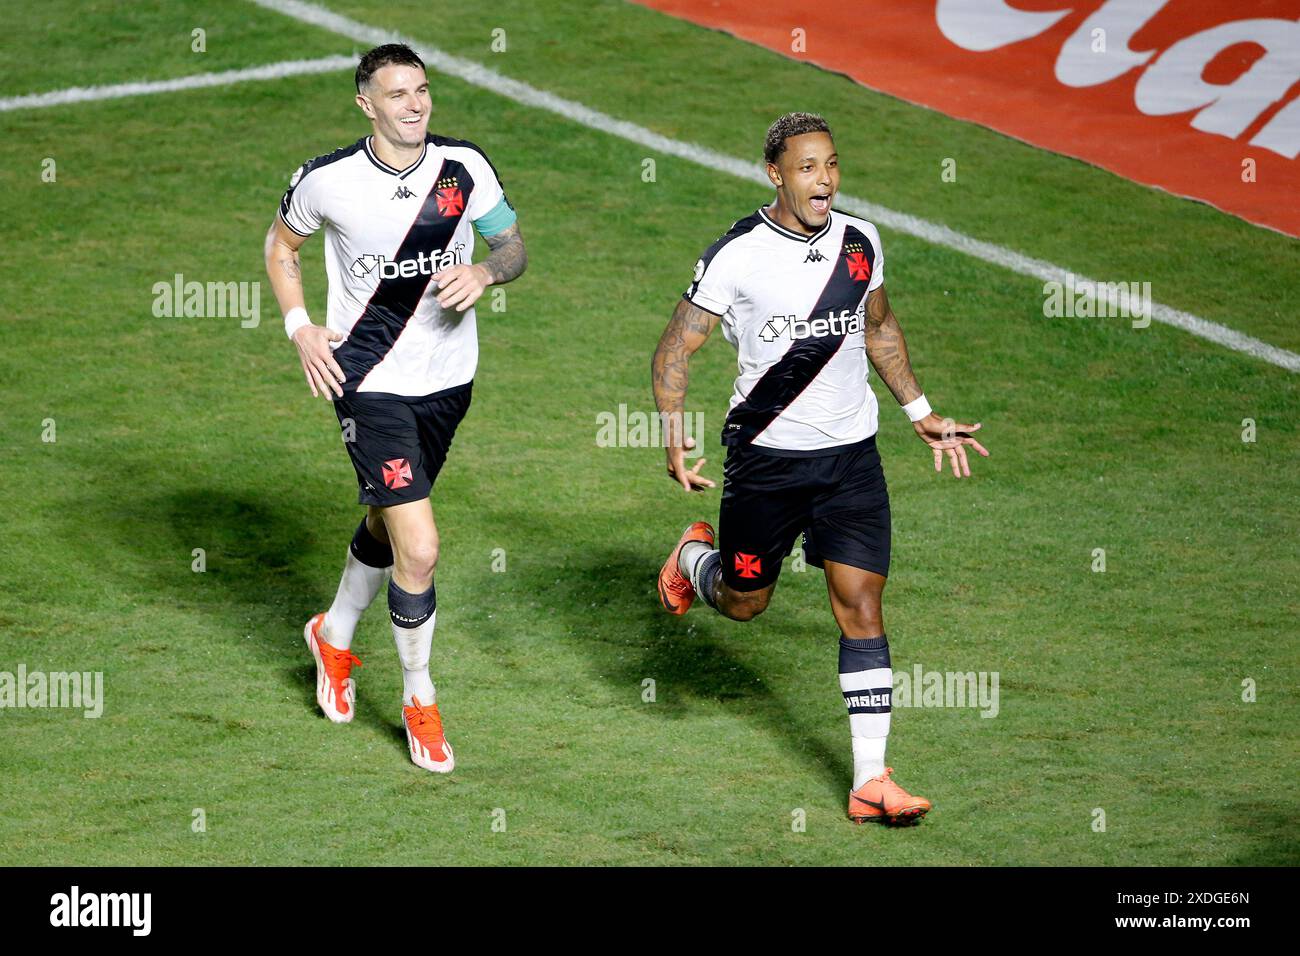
(878, 267)
(489, 208)
(300, 207)
(713, 287)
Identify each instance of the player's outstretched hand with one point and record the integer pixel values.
(318, 363)
(689, 478)
(461, 286)
(946, 436)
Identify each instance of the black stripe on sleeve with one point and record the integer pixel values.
(306, 168)
(739, 228)
(284, 219)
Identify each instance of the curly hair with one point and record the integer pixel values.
(791, 124)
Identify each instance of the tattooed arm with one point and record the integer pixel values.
(284, 269)
(509, 259)
(461, 286)
(887, 350)
(283, 266)
(687, 330)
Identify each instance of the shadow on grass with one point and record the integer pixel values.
(267, 572)
(1270, 830)
(269, 567)
(632, 638)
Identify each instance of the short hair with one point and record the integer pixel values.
(389, 54)
(791, 124)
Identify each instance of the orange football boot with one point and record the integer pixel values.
(675, 591)
(429, 748)
(880, 800)
(336, 691)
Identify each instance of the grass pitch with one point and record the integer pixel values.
(1119, 690)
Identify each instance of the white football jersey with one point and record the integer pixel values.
(387, 231)
(794, 307)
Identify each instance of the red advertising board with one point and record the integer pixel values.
(1197, 97)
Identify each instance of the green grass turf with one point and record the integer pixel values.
(63, 43)
(1119, 690)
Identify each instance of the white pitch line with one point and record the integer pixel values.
(479, 75)
(86, 94)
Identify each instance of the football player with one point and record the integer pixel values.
(799, 289)
(396, 355)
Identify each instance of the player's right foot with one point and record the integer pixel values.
(880, 800)
(336, 691)
(675, 591)
(424, 736)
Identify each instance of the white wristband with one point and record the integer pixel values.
(295, 319)
(917, 409)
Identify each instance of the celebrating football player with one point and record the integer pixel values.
(799, 289)
(396, 355)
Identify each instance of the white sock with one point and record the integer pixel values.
(868, 759)
(867, 682)
(358, 587)
(413, 647)
(690, 555)
(691, 558)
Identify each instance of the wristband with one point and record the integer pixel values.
(295, 319)
(915, 410)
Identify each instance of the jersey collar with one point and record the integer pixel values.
(790, 233)
(399, 173)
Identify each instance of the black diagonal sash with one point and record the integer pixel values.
(395, 299)
(785, 379)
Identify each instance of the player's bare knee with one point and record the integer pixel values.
(418, 561)
(862, 617)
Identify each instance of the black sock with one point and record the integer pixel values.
(369, 550)
(411, 610)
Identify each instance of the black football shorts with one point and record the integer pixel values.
(398, 444)
(838, 501)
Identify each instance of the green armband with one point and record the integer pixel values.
(501, 217)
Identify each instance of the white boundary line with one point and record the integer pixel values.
(479, 75)
(86, 94)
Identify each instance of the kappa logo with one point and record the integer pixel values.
(448, 196)
(814, 255)
(397, 473)
(402, 193)
(859, 265)
(748, 565)
(842, 323)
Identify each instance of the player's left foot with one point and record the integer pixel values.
(429, 748)
(880, 800)
(675, 591)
